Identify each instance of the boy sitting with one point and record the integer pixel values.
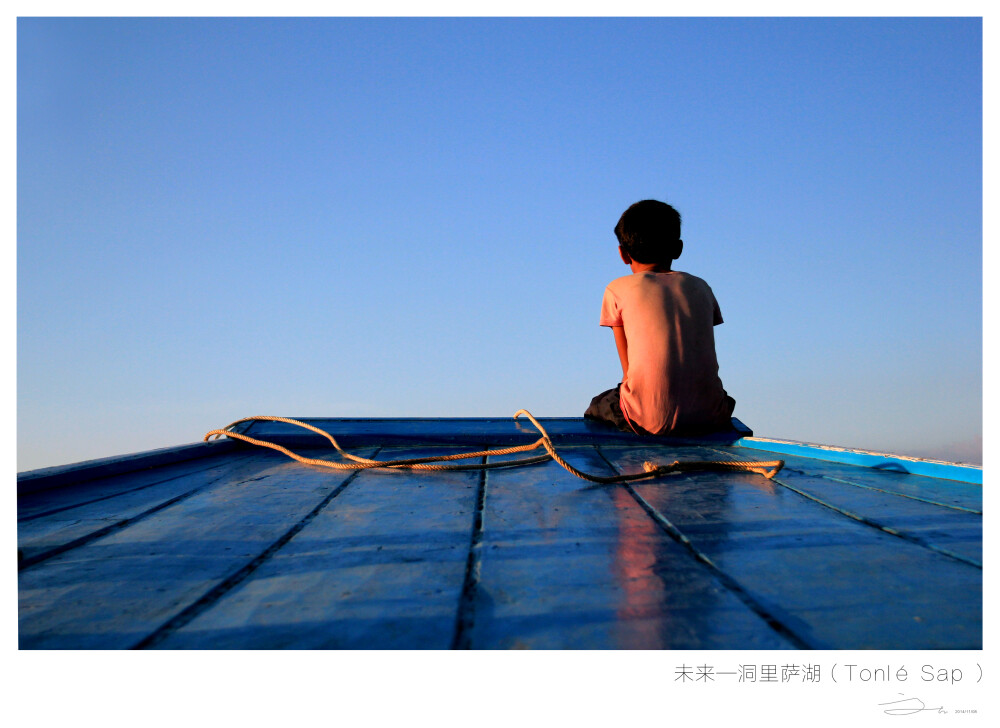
(662, 321)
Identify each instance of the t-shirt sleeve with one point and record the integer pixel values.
(611, 313)
(716, 312)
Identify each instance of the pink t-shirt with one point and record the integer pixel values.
(673, 375)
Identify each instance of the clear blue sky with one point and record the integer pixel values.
(413, 217)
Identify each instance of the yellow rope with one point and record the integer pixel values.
(650, 470)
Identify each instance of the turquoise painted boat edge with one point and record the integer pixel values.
(868, 459)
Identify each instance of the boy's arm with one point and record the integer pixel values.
(622, 344)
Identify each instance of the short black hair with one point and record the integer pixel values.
(650, 232)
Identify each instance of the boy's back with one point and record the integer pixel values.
(663, 323)
(672, 383)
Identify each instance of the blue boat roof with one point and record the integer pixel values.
(222, 545)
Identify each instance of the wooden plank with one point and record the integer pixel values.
(64, 475)
(381, 568)
(115, 591)
(842, 584)
(78, 515)
(565, 564)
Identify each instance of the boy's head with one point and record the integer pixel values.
(650, 232)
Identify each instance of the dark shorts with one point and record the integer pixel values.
(607, 407)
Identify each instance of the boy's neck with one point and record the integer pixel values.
(650, 267)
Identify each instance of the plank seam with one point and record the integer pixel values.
(727, 581)
(213, 595)
(465, 617)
